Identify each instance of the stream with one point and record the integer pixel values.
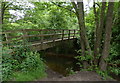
(65, 65)
(62, 64)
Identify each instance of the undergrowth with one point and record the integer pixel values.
(21, 64)
(104, 74)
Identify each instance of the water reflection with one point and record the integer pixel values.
(61, 64)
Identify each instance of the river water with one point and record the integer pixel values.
(61, 64)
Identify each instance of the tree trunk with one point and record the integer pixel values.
(99, 29)
(2, 11)
(1, 14)
(108, 32)
(85, 63)
(83, 37)
(96, 20)
(3, 7)
(83, 29)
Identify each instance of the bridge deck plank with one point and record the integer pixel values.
(39, 43)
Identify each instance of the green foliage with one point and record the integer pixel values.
(6, 63)
(50, 16)
(6, 70)
(20, 62)
(44, 16)
(104, 74)
(113, 59)
(28, 76)
(115, 70)
(70, 71)
(31, 61)
(84, 58)
(90, 26)
(89, 58)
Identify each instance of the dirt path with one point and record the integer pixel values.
(52, 76)
(79, 76)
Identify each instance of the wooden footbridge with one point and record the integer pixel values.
(38, 39)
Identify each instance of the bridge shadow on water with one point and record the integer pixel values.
(61, 58)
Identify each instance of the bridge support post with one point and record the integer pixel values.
(69, 35)
(74, 34)
(25, 41)
(62, 35)
(41, 40)
(6, 38)
(54, 38)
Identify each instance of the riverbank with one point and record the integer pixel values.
(78, 76)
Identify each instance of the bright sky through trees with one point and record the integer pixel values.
(20, 13)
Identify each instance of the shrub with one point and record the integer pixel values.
(23, 61)
(31, 61)
(7, 66)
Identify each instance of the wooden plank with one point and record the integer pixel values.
(43, 35)
(10, 37)
(6, 38)
(45, 42)
(20, 30)
(54, 37)
(24, 36)
(50, 41)
(74, 34)
(5, 42)
(62, 34)
(28, 36)
(69, 35)
(11, 31)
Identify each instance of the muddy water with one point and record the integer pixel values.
(61, 64)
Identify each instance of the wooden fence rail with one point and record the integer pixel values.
(8, 36)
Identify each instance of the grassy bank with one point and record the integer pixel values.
(22, 64)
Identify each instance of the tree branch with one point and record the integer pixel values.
(75, 7)
(7, 5)
(63, 7)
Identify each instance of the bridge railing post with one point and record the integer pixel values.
(41, 39)
(54, 37)
(6, 38)
(69, 34)
(74, 34)
(24, 37)
(62, 35)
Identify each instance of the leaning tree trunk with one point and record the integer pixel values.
(81, 22)
(83, 29)
(99, 29)
(83, 37)
(108, 32)
(85, 64)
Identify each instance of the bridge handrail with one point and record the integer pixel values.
(21, 30)
(24, 31)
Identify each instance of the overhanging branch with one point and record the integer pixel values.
(64, 7)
